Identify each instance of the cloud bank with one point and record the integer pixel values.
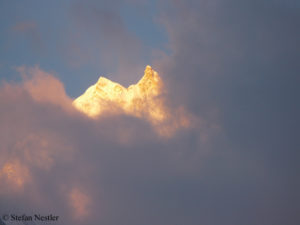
(55, 159)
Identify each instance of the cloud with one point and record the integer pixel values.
(99, 38)
(43, 87)
(30, 31)
(14, 175)
(79, 202)
(234, 62)
(81, 169)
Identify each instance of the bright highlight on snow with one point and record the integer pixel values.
(143, 100)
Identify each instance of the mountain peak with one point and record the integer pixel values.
(106, 93)
(101, 80)
(148, 69)
(148, 73)
(143, 100)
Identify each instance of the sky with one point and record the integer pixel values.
(232, 66)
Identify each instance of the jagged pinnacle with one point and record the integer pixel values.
(103, 80)
(148, 67)
(148, 73)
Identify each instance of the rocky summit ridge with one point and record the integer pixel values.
(140, 99)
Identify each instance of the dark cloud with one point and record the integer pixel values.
(236, 61)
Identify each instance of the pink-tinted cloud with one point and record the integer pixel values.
(43, 87)
(81, 169)
(80, 203)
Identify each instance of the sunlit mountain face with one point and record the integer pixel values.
(144, 99)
